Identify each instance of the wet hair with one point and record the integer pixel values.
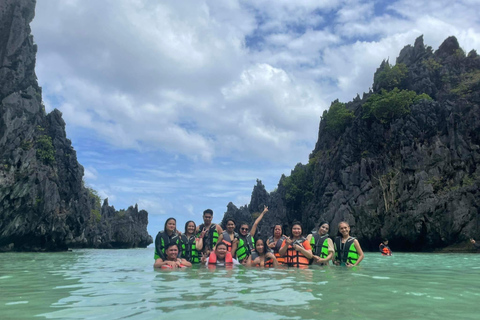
(194, 226)
(296, 223)
(384, 240)
(166, 222)
(208, 211)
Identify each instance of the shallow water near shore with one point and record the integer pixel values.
(118, 284)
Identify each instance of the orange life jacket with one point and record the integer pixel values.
(212, 259)
(227, 240)
(295, 258)
(278, 245)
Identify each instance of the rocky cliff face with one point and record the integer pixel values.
(396, 163)
(43, 202)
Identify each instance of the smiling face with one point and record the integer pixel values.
(221, 251)
(260, 246)
(296, 230)
(171, 225)
(323, 230)
(344, 229)
(244, 229)
(191, 228)
(172, 253)
(277, 231)
(230, 226)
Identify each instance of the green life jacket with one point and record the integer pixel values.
(245, 247)
(189, 250)
(211, 237)
(162, 240)
(319, 245)
(345, 252)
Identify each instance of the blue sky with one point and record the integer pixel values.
(180, 106)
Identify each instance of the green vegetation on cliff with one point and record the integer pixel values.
(337, 118)
(390, 77)
(389, 105)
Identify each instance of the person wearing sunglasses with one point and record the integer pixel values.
(245, 245)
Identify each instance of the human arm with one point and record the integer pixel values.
(160, 263)
(306, 250)
(284, 248)
(257, 221)
(360, 254)
(183, 262)
(272, 256)
(219, 229)
(199, 243)
(234, 246)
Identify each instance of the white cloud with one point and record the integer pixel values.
(215, 86)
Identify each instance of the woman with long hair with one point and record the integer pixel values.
(296, 248)
(229, 236)
(322, 245)
(168, 235)
(263, 257)
(347, 248)
(190, 244)
(275, 242)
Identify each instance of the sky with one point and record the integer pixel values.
(180, 106)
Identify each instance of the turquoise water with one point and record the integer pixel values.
(118, 284)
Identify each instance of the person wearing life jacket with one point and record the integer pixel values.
(347, 249)
(168, 235)
(190, 244)
(229, 236)
(296, 249)
(246, 242)
(322, 245)
(275, 242)
(220, 257)
(212, 231)
(171, 260)
(384, 248)
(262, 256)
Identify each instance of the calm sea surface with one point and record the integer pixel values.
(118, 284)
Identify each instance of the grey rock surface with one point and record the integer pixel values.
(414, 180)
(44, 205)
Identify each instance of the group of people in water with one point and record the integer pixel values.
(209, 244)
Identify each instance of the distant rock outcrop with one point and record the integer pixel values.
(402, 162)
(44, 205)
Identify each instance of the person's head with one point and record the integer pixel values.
(385, 241)
(277, 230)
(344, 229)
(171, 251)
(230, 225)
(244, 228)
(297, 229)
(207, 216)
(323, 228)
(221, 250)
(190, 228)
(170, 225)
(260, 246)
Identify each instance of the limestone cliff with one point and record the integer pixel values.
(401, 162)
(43, 202)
